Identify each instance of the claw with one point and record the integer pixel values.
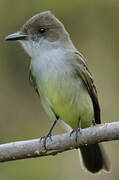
(49, 134)
(94, 123)
(78, 130)
(44, 138)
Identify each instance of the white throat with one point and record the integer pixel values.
(36, 48)
(47, 57)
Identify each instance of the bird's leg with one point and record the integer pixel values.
(77, 130)
(93, 121)
(49, 134)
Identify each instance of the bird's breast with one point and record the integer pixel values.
(60, 91)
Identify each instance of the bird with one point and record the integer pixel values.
(60, 75)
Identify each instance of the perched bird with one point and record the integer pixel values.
(60, 76)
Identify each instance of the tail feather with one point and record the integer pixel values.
(94, 158)
(106, 162)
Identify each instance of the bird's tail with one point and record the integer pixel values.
(94, 158)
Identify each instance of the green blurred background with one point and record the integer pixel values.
(94, 28)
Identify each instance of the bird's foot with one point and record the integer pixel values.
(44, 138)
(94, 123)
(78, 130)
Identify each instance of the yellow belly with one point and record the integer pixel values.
(70, 103)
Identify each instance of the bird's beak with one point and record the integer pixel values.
(16, 36)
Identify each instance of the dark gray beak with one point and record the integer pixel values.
(16, 36)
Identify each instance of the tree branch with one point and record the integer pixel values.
(60, 143)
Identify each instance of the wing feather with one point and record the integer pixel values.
(86, 76)
(33, 82)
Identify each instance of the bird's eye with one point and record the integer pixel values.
(42, 30)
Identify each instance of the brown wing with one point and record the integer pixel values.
(89, 83)
(33, 81)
